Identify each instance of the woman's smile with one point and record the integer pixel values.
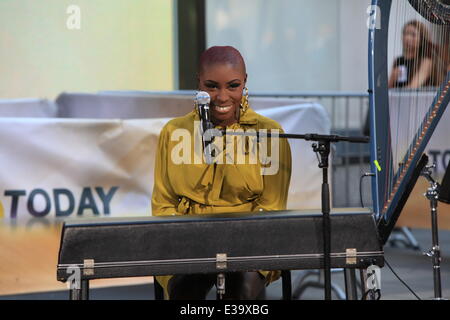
(222, 109)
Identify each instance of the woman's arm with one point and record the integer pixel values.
(164, 199)
(393, 78)
(422, 75)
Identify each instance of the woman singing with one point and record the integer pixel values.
(223, 186)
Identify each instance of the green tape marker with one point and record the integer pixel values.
(377, 165)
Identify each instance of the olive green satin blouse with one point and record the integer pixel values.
(185, 184)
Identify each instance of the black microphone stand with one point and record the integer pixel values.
(434, 253)
(322, 148)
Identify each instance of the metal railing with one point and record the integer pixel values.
(348, 112)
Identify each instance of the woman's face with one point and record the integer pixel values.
(411, 38)
(224, 83)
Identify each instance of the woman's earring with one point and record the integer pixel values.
(244, 100)
(195, 100)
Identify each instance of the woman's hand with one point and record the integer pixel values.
(394, 77)
(422, 75)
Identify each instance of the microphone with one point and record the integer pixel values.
(203, 99)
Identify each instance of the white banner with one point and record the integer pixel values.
(69, 168)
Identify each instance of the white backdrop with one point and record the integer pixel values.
(67, 168)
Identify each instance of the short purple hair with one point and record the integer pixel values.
(221, 55)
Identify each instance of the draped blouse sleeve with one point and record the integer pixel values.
(276, 186)
(164, 198)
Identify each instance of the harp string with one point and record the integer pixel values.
(411, 112)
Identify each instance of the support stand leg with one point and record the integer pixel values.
(75, 294)
(350, 284)
(435, 252)
(363, 277)
(323, 149)
(84, 289)
(220, 286)
(81, 292)
(287, 284)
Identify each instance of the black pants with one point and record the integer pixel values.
(238, 286)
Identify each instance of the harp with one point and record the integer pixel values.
(409, 90)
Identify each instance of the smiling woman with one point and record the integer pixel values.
(222, 74)
(202, 188)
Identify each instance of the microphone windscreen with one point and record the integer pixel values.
(202, 97)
